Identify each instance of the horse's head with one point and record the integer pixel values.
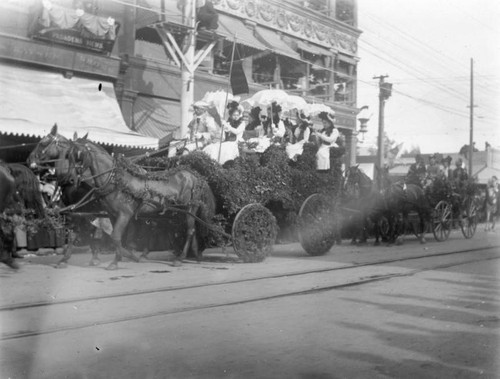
(52, 148)
(357, 182)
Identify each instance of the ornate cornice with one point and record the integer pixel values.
(292, 23)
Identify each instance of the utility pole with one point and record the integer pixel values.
(384, 93)
(471, 142)
(188, 68)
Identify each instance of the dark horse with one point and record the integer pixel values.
(52, 151)
(364, 204)
(125, 193)
(19, 188)
(401, 199)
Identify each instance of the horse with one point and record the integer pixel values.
(401, 199)
(125, 192)
(366, 202)
(19, 188)
(52, 151)
(7, 186)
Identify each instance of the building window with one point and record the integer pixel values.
(345, 82)
(265, 71)
(317, 5)
(345, 11)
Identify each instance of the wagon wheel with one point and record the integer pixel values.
(317, 223)
(468, 224)
(254, 233)
(441, 221)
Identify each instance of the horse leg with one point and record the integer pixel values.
(116, 236)
(405, 222)
(190, 221)
(67, 250)
(94, 248)
(6, 245)
(422, 227)
(376, 231)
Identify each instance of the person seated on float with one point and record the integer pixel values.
(202, 129)
(233, 133)
(433, 169)
(254, 128)
(447, 172)
(417, 172)
(300, 135)
(327, 139)
(459, 175)
(273, 125)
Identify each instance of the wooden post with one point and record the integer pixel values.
(187, 69)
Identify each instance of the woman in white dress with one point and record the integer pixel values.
(233, 133)
(300, 135)
(327, 137)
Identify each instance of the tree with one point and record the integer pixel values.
(389, 144)
(414, 150)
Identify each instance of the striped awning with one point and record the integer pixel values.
(234, 29)
(33, 100)
(275, 43)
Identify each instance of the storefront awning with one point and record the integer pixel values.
(232, 29)
(33, 100)
(155, 117)
(348, 59)
(312, 49)
(275, 43)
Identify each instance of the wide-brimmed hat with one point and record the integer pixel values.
(275, 107)
(255, 112)
(200, 104)
(447, 159)
(235, 106)
(327, 116)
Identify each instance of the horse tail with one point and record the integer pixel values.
(28, 186)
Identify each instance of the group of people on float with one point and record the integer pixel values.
(420, 174)
(221, 142)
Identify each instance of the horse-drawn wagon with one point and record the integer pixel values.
(199, 199)
(452, 204)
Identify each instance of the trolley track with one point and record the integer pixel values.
(210, 284)
(169, 293)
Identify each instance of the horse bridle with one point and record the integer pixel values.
(81, 168)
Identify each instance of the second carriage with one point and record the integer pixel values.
(454, 204)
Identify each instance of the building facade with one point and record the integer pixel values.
(308, 48)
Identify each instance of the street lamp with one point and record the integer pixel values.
(364, 116)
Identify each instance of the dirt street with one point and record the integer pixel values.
(417, 322)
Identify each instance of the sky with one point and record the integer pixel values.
(425, 47)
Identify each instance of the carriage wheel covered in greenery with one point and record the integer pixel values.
(441, 220)
(317, 224)
(254, 233)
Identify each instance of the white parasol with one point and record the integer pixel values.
(265, 97)
(315, 109)
(293, 102)
(217, 101)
